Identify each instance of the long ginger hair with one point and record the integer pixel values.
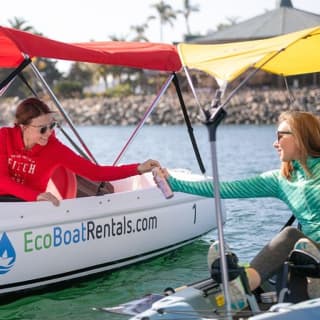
(305, 127)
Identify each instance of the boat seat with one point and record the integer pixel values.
(87, 188)
(304, 264)
(63, 183)
(291, 284)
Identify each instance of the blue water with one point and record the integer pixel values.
(242, 151)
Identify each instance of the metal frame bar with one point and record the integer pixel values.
(144, 118)
(189, 126)
(61, 109)
(212, 122)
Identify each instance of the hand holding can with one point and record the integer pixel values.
(162, 183)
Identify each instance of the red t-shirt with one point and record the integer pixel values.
(25, 173)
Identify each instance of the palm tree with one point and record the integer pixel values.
(140, 32)
(20, 23)
(46, 67)
(166, 15)
(188, 8)
(230, 22)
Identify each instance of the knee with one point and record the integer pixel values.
(291, 233)
(254, 278)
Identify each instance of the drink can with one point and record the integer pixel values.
(163, 185)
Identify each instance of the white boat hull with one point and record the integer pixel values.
(45, 245)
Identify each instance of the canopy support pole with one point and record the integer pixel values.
(24, 80)
(290, 94)
(5, 83)
(17, 72)
(247, 78)
(188, 123)
(193, 89)
(213, 119)
(61, 109)
(212, 122)
(144, 118)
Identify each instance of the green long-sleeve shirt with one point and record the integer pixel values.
(301, 193)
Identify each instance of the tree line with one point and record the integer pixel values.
(114, 80)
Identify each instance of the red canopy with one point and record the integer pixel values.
(15, 44)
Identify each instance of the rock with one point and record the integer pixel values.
(251, 106)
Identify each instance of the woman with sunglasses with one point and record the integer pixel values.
(297, 183)
(30, 152)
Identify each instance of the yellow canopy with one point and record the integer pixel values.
(292, 54)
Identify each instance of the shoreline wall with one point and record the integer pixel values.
(254, 106)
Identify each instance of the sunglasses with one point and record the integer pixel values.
(281, 134)
(43, 129)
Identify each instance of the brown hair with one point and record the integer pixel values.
(29, 109)
(305, 127)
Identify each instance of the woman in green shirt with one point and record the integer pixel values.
(297, 183)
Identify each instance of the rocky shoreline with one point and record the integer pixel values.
(254, 106)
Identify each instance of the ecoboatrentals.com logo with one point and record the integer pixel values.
(7, 254)
(59, 236)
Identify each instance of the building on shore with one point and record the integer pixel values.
(282, 20)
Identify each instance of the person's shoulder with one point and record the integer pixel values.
(271, 173)
(314, 160)
(54, 142)
(313, 164)
(8, 130)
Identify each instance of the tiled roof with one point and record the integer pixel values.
(282, 20)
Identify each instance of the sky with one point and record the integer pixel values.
(79, 20)
(87, 20)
